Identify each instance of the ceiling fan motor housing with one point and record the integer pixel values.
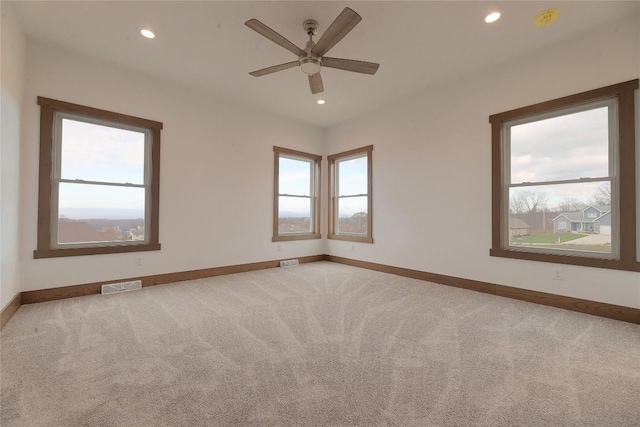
(310, 27)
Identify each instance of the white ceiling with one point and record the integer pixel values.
(207, 46)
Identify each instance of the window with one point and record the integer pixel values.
(296, 213)
(560, 165)
(350, 195)
(99, 181)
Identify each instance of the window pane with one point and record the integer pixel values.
(352, 176)
(294, 176)
(294, 215)
(565, 217)
(100, 213)
(571, 146)
(352, 215)
(100, 153)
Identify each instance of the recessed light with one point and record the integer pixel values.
(320, 101)
(147, 33)
(492, 17)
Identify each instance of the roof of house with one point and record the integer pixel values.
(579, 216)
(574, 217)
(70, 231)
(517, 223)
(602, 208)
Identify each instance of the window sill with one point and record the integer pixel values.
(98, 250)
(296, 237)
(350, 238)
(611, 264)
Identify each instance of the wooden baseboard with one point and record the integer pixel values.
(10, 309)
(611, 311)
(30, 297)
(626, 314)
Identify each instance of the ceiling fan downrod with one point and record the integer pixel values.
(309, 64)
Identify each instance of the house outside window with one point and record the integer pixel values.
(99, 181)
(296, 214)
(350, 203)
(565, 168)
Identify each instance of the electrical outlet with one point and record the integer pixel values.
(558, 274)
(279, 248)
(353, 247)
(137, 261)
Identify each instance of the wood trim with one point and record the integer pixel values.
(44, 180)
(331, 234)
(496, 185)
(52, 294)
(566, 101)
(10, 309)
(48, 107)
(626, 179)
(276, 192)
(348, 238)
(154, 218)
(610, 311)
(293, 237)
(98, 250)
(362, 150)
(601, 309)
(315, 234)
(331, 198)
(612, 264)
(369, 238)
(281, 150)
(96, 112)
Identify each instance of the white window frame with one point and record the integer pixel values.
(57, 179)
(334, 198)
(624, 209)
(314, 193)
(52, 112)
(611, 178)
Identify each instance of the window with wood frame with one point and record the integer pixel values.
(564, 177)
(296, 203)
(99, 181)
(350, 204)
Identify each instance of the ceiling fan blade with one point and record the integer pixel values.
(315, 83)
(260, 28)
(339, 28)
(275, 68)
(351, 65)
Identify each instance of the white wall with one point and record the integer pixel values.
(432, 167)
(216, 185)
(13, 50)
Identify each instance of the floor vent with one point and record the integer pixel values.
(114, 288)
(289, 262)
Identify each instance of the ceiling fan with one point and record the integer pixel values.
(312, 59)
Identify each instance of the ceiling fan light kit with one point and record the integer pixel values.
(311, 60)
(310, 66)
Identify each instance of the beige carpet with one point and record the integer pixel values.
(316, 345)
